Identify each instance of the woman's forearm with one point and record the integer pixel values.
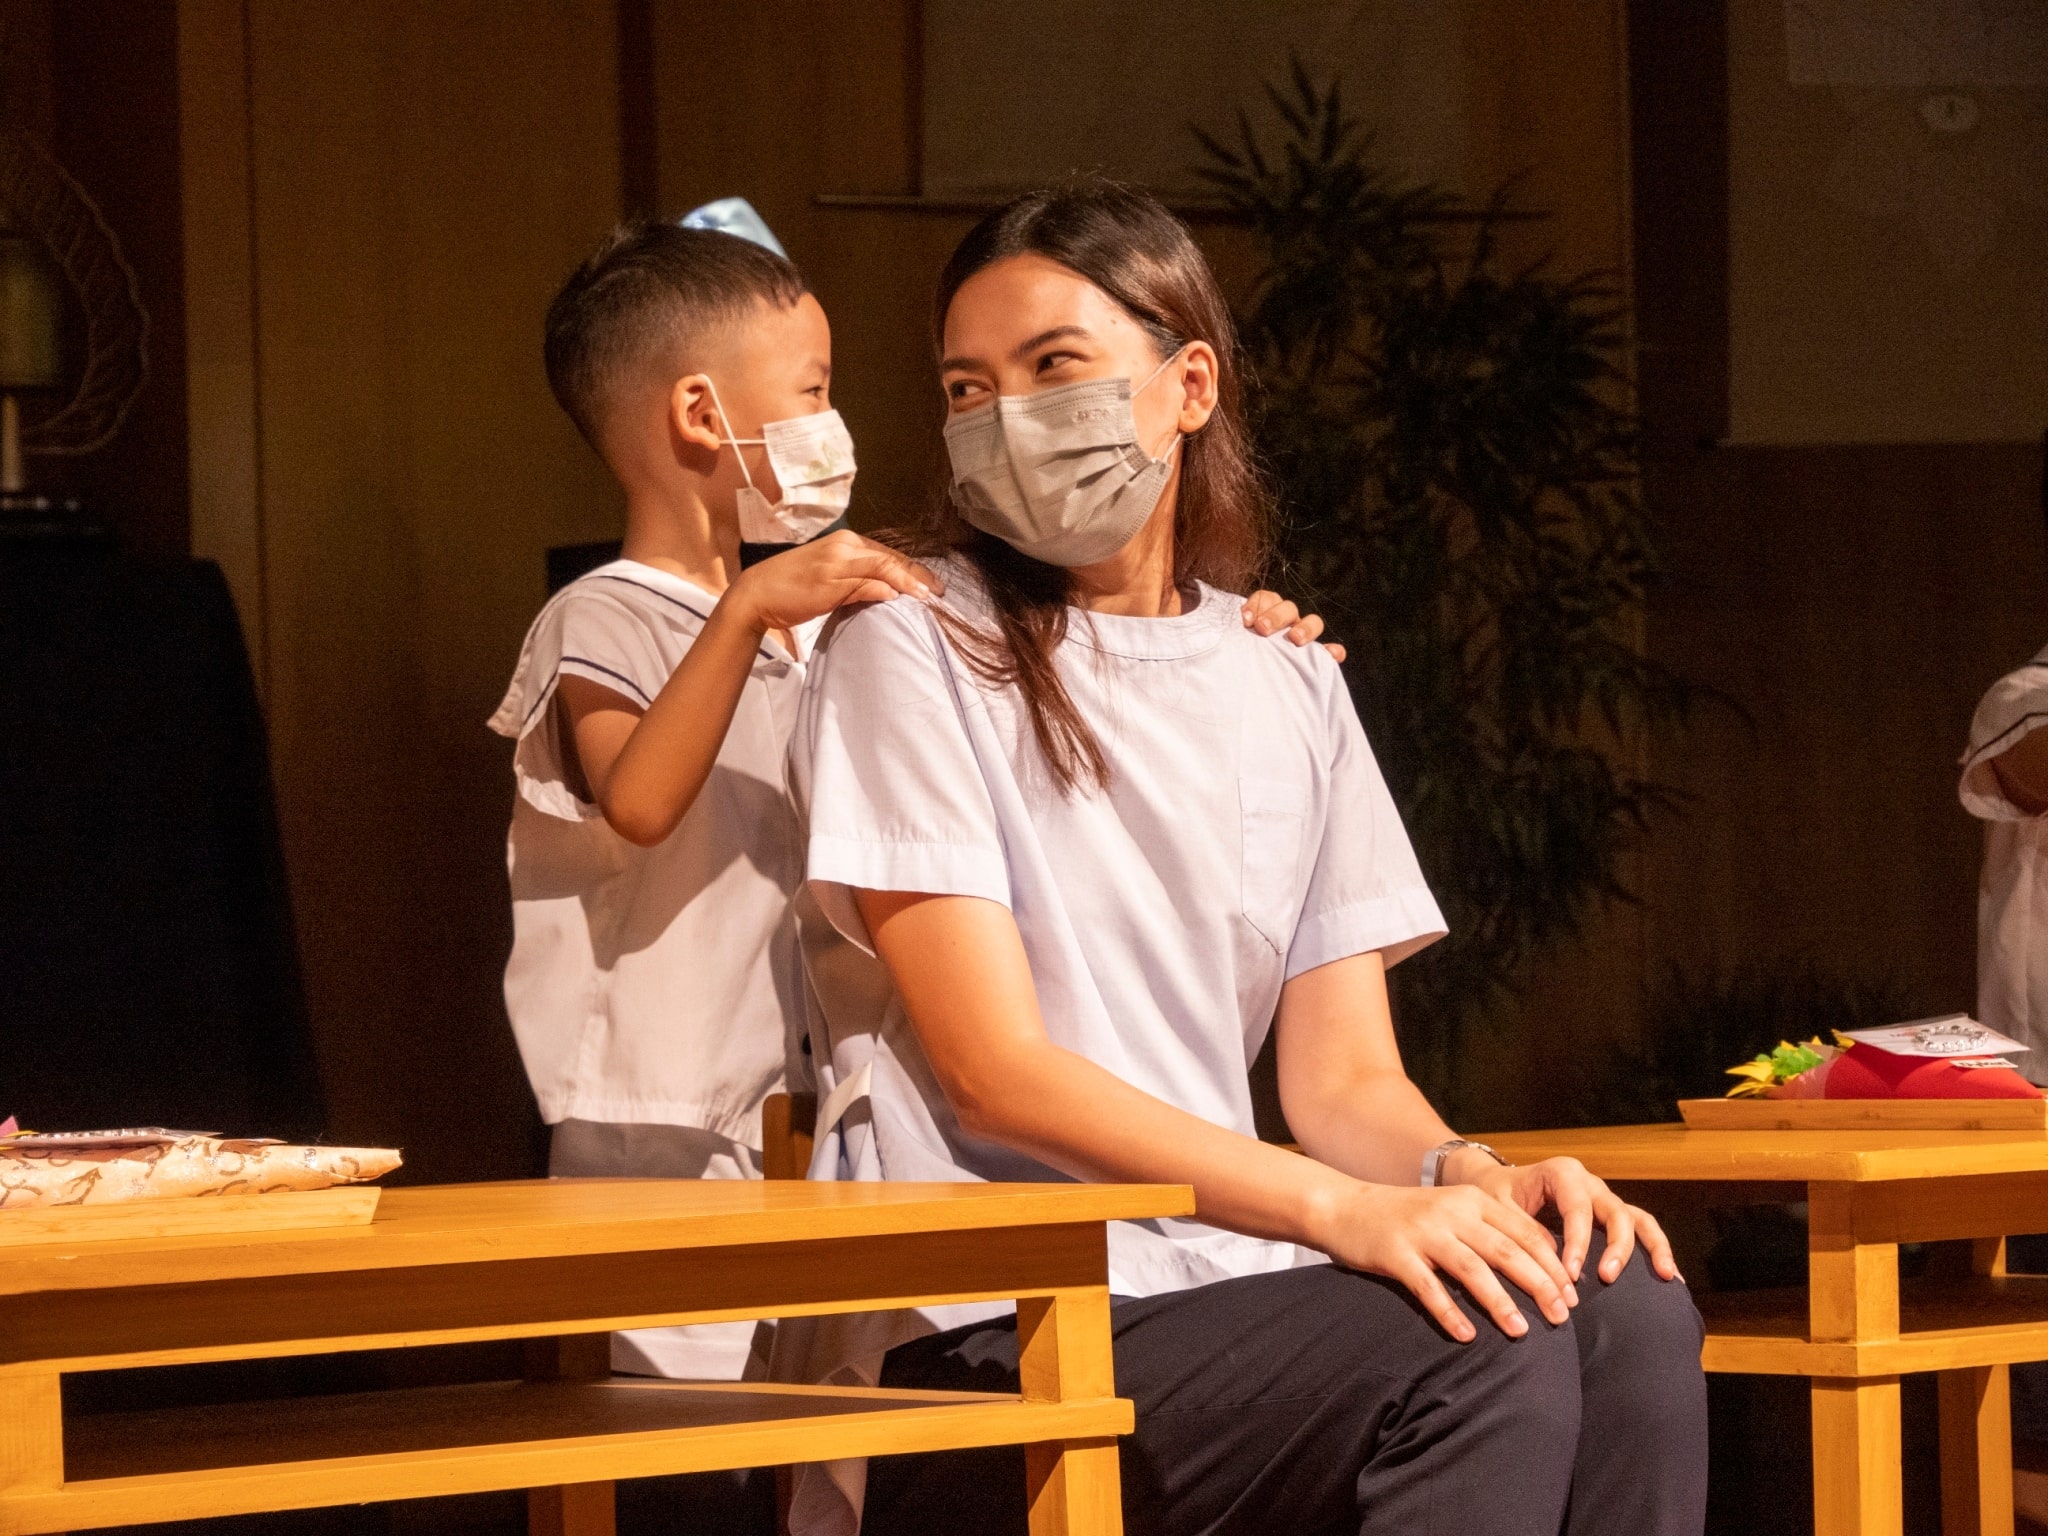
(1343, 1089)
(960, 967)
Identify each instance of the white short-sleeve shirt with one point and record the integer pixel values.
(652, 985)
(2012, 896)
(1246, 836)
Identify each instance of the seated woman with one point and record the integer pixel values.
(1102, 838)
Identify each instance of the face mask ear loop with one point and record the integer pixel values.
(1178, 435)
(731, 436)
(1171, 359)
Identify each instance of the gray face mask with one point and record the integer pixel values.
(1059, 476)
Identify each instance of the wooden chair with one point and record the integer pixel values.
(787, 1123)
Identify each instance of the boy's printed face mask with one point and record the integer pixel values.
(812, 457)
(1059, 476)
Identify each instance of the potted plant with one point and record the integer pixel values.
(1454, 449)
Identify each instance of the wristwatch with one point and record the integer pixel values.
(1433, 1159)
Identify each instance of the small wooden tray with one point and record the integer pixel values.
(347, 1205)
(1866, 1114)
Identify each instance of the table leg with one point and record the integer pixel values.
(1976, 1415)
(1064, 1353)
(31, 1430)
(1856, 1489)
(1852, 1293)
(572, 1509)
(1976, 1451)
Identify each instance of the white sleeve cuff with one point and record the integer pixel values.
(841, 865)
(1397, 925)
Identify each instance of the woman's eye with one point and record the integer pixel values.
(961, 389)
(1052, 360)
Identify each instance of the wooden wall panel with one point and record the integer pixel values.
(778, 101)
(421, 178)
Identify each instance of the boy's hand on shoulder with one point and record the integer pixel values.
(812, 579)
(1267, 613)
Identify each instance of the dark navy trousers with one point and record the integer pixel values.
(1322, 1400)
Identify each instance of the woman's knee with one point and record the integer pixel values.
(1639, 1342)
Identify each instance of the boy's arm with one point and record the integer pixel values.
(644, 769)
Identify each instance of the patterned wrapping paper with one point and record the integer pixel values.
(53, 1174)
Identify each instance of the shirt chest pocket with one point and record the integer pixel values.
(1273, 814)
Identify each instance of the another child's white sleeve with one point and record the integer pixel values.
(885, 773)
(1366, 891)
(2014, 707)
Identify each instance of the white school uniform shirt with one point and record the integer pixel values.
(2012, 895)
(1246, 836)
(653, 985)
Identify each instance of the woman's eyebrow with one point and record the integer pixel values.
(1022, 349)
(1057, 333)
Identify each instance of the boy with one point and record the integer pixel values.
(654, 983)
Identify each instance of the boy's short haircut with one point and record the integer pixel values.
(639, 301)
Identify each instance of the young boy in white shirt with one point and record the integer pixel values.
(654, 984)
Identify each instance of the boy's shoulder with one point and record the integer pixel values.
(623, 625)
(641, 591)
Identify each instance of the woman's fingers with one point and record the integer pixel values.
(1471, 1270)
(1532, 1238)
(1619, 1220)
(1650, 1235)
(1305, 628)
(1650, 1232)
(1423, 1284)
(1511, 1259)
(1575, 1205)
(1337, 652)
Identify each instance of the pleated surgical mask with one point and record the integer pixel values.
(812, 457)
(1059, 475)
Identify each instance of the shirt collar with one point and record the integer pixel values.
(1199, 629)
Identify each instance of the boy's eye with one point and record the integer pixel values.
(1053, 360)
(961, 389)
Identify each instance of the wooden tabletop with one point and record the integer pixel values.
(482, 1223)
(1679, 1152)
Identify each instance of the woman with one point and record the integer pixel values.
(1101, 838)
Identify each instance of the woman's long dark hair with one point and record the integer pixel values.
(1126, 243)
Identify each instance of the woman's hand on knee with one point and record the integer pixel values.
(1421, 1237)
(1583, 1201)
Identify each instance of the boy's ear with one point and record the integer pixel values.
(693, 413)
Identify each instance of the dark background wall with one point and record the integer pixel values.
(362, 211)
(1853, 600)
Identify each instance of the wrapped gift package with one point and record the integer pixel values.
(111, 1167)
(1948, 1057)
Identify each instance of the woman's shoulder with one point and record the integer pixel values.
(894, 634)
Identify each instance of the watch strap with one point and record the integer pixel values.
(1433, 1159)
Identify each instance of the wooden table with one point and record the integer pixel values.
(1854, 1329)
(560, 1264)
